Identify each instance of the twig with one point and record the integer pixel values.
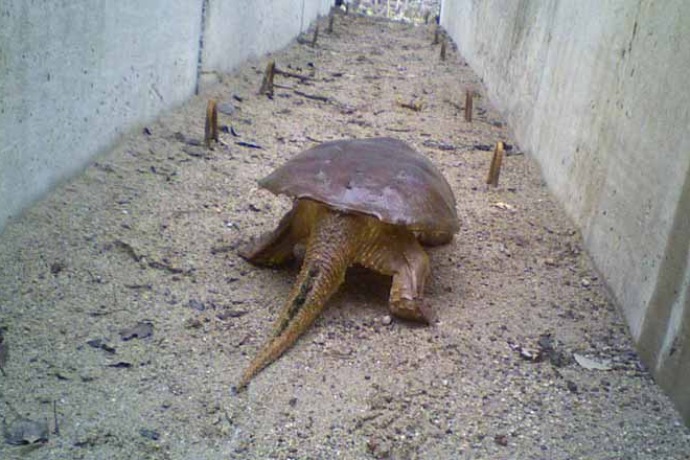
(495, 168)
(250, 145)
(468, 106)
(223, 248)
(331, 19)
(416, 106)
(316, 36)
(315, 97)
(267, 83)
(285, 73)
(437, 37)
(211, 127)
(443, 50)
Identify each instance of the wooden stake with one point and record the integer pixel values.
(316, 36)
(267, 83)
(495, 168)
(211, 127)
(443, 50)
(330, 24)
(437, 38)
(468, 106)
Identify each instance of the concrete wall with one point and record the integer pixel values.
(228, 40)
(598, 92)
(75, 74)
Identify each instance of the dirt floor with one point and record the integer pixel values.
(128, 315)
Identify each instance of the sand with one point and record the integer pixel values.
(128, 315)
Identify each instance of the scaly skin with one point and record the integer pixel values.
(334, 242)
(330, 248)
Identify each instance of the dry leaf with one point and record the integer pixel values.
(588, 363)
(504, 206)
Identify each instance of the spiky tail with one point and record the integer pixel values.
(330, 250)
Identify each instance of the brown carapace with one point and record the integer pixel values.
(369, 202)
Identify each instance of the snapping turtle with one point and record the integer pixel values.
(368, 202)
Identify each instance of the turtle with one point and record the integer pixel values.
(371, 202)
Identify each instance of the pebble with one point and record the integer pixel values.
(24, 431)
(153, 435)
(226, 108)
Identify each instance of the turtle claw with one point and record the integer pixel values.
(414, 310)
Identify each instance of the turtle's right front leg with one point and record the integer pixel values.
(396, 252)
(407, 291)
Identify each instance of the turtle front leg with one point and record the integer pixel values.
(407, 292)
(276, 247)
(272, 248)
(396, 252)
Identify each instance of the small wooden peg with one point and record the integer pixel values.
(267, 83)
(495, 168)
(211, 127)
(468, 106)
(316, 36)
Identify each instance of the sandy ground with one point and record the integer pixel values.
(128, 315)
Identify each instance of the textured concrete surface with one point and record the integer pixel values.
(238, 30)
(597, 92)
(76, 75)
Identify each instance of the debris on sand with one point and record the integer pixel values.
(141, 330)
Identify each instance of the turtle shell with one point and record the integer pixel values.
(382, 177)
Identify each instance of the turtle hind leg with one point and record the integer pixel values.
(330, 250)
